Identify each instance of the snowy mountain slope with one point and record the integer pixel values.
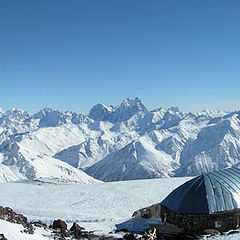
(155, 154)
(137, 160)
(217, 146)
(31, 157)
(169, 142)
(175, 141)
(95, 149)
(10, 173)
(86, 153)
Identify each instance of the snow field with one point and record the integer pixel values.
(13, 231)
(96, 207)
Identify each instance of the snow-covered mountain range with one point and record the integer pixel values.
(116, 143)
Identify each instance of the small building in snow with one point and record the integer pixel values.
(209, 201)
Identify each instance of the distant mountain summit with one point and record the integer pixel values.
(114, 143)
(120, 113)
(100, 112)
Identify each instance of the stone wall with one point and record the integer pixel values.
(196, 223)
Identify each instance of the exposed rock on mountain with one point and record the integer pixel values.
(100, 112)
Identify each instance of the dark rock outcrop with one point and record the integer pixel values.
(59, 224)
(9, 215)
(39, 224)
(76, 230)
(2, 237)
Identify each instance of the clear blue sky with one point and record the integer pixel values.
(71, 54)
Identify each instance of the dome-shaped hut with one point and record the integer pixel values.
(206, 194)
(209, 201)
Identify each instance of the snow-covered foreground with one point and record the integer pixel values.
(14, 231)
(96, 207)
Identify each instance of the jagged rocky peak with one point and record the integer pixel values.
(167, 115)
(13, 120)
(211, 113)
(1, 111)
(190, 115)
(176, 112)
(160, 109)
(43, 112)
(134, 104)
(17, 113)
(52, 118)
(174, 109)
(100, 111)
(127, 109)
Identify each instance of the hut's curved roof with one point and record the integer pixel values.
(208, 193)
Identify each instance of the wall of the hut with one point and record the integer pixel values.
(196, 223)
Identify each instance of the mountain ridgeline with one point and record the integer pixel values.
(116, 143)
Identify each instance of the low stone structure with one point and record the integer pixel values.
(195, 224)
(192, 224)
